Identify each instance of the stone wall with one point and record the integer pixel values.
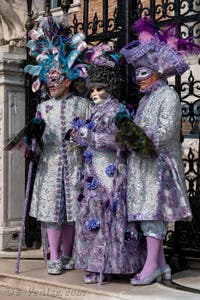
(12, 118)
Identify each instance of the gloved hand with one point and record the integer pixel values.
(82, 136)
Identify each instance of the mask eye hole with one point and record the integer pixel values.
(143, 73)
(91, 90)
(99, 89)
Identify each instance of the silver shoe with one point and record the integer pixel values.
(166, 272)
(91, 278)
(139, 280)
(67, 263)
(54, 267)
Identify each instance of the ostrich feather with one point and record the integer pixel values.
(145, 29)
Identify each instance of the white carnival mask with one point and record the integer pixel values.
(98, 94)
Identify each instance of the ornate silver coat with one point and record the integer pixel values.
(60, 167)
(156, 187)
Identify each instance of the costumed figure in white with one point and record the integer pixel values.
(156, 192)
(57, 182)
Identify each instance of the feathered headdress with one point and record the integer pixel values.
(103, 68)
(162, 50)
(51, 47)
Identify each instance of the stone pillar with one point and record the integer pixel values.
(12, 120)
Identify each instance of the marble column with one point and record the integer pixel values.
(12, 120)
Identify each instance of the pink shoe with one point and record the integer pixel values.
(139, 280)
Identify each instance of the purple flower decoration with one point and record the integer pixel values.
(48, 108)
(89, 124)
(80, 197)
(91, 183)
(92, 224)
(110, 170)
(87, 156)
(77, 123)
(114, 206)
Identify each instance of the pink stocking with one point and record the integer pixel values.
(161, 257)
(68, 232)
(151, 263)
(54, 237)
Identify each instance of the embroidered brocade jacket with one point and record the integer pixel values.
(156, 187)
(60, 166)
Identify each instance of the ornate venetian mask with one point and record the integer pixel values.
(143, 73)
(98, 94)
(58, 84)
(54, 79)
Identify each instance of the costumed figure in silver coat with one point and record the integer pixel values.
(156, 191)
(57, 182)
(101, 246)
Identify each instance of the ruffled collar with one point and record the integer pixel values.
(64, 98)
(103, 104)
(156, 85)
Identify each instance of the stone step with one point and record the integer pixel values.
(33, 280)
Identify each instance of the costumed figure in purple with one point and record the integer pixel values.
(100, 246)
(156, 191)
(57, 182)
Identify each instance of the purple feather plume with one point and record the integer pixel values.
(168, 33)
(144, 24)
(145, 29)
(185, 46)
(188, 47)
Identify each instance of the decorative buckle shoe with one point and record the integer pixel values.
(67, 263)
(166, 272)
(54, 267)
(91, 278)
(139, 280)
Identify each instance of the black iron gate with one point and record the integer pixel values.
(114, 24)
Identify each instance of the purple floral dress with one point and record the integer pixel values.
(100, 244)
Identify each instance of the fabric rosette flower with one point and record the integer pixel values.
(87, 156)
(92, 224)
(91, 183)
(89, 124)
(110, 170)
(77, 123)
